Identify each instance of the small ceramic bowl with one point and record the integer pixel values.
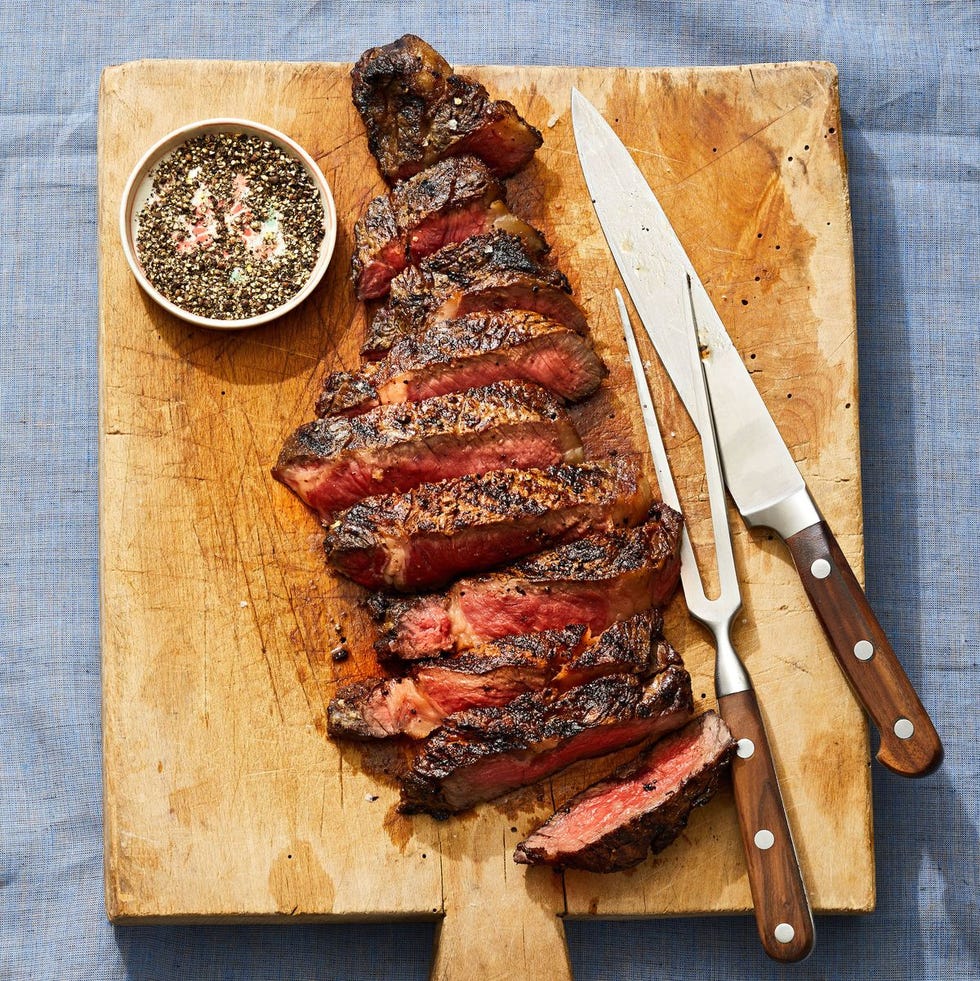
(139, 187)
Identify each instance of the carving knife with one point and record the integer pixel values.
(759, 471)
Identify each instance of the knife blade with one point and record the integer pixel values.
(760, 473)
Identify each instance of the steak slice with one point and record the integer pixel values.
(417, 703)
(596, 580)
(336, 461)
(496, 674)
(642, 807)
(425, 537)
(449, 202)
(417, 110)
(469, 352)
(496, 271)
(482, 753)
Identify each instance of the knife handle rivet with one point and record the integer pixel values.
(744, 748)
(820, 568)
(784, 932)
(863, 650)
(764, 839)
(904, 729)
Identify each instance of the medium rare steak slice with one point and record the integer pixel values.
(642, 807)
(596, 580)
(495, 271)
(482, 753)
(336, 461)
(469, 352)
(417, 703)
(449, 202)
(417, 111)
(496, 674)
(425, 537)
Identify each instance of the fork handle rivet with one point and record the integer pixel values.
(820, 568)
(744, 748)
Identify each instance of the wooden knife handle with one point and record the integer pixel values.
(782, 910)
(910, 745)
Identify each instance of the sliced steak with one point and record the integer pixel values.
(495, 271)
(417, 703)
(449, 202)
(469, 352)
(417, 111)
(642, 807)
(425, 537)
(482, 753)
(596, 580)
(496, 674)
(336, 461)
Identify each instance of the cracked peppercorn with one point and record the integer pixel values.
(232, 227)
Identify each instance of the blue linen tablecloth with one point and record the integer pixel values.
(908, 73)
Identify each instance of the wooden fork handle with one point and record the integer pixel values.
(782, 910)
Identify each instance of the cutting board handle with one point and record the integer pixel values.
(507, 937)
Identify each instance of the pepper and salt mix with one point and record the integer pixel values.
(232, 227)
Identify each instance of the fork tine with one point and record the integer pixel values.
(658, 451)
(730, 599)
(697, 602)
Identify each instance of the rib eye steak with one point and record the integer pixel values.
(495, 674)
(417, 110)
(448, 202)
(641, 808)
(336, 461)
(471, 351)
(596, 580)
(496, 271)
(425, 537)
(482, 753)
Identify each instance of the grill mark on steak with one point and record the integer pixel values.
(425, 537)
(417, 110)
(597, 580)
(496, 674)
(449, 202)
(495, 271)
(468, 352)
(336, 461)
(641, 808)
(482, 753)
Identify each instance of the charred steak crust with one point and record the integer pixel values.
(417, 110)
(425, 537)
(641, 808)
(417, 703)
(475, 410)
(492, 271)
(595, 557)
(599, 578)
(495, 674)
(465, 263)
(447, 203)
(335, 461)
(482, 753)
(469, 351)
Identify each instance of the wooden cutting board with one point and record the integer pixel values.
(224, 798)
